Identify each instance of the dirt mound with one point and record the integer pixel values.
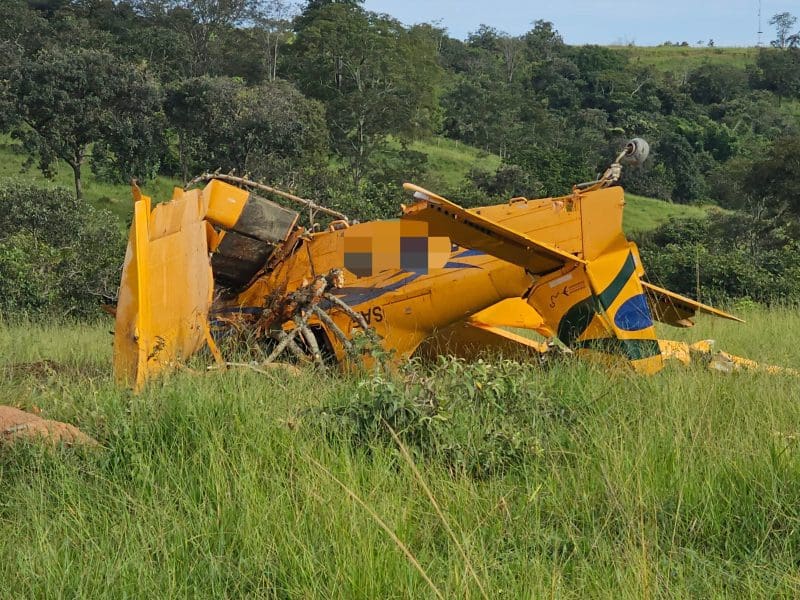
(16, 424)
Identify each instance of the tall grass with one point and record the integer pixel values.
(684, 484)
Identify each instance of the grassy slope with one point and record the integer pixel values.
(449, 162)
(681, 60)
(684, 484)
(113, 197)
(643, 213)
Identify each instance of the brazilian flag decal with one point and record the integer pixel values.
(633, 315)
(608, 295)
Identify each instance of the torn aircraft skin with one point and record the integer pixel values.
(222, 260)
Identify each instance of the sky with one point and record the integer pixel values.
(604, 22)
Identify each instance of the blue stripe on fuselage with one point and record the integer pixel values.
(354, 295)
(459, 265)
(468, 253)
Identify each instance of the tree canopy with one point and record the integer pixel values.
(82, 103)
(328, 98)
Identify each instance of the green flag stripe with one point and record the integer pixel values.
(608, 295)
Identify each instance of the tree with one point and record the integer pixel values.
(222, 123)
(512, 48)
(558, 81)
(773, 179)
(57, 255)
(275, 23)
(486, 37)
(712, 84)
(21, 30)
(483, 100)
(778, 71)
(735, 255)
(200, 24)
(783, 23)
(64, 102)
(606, 82)
(543, 41)
(681, 159)
(375, 77)
(480, 112)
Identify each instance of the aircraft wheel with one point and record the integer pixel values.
(636, 151)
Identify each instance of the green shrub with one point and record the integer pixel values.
(58, 256)
(479, 419)
(734, 255)
(506, 182)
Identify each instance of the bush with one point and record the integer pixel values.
(508, 181)
(478, 419)
(58, 256)
(738, 256)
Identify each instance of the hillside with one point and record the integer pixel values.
(679, 60)
(642, 214)
(449, 162)
(115, 198)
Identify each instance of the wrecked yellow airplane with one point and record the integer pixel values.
(222, 262)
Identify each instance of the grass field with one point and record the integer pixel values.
(113, 197)
(449, 161)
(682, 59)
(684, 484)
(643, 214)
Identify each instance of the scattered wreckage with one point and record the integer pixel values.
(223, 263)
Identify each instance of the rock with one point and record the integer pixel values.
(16, 424)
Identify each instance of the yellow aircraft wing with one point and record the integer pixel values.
(470, 230)
(471, 340)
(676, 310)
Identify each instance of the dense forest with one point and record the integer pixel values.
(326, 100)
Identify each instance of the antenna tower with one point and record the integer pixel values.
(760, 32)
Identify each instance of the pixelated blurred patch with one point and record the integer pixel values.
(394, 245)
(358, 255)
(414, 254)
